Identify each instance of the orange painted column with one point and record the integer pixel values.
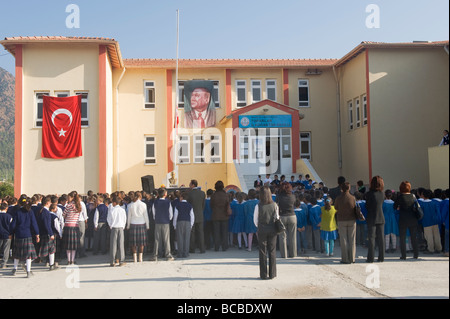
(286, 86)
(18, 122)
(102, 159)
(228, 91)
(170, 165)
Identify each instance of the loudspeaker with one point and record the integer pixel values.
(148, 184)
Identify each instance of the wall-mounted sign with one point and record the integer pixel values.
(264, 121)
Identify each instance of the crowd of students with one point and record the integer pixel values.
(165, 223)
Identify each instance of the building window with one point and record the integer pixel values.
(358, 112)
(62, 93)
(149, 91)
(150, 150)
(350, 114)
(214, 145)
(183, 149)
(364, 99)
(305, 145)
(244, 145)
(241, 92)
(216, 96)
(39, 102)
(285, 135)
(303, 93)
(271, 89)
(256, 90)
(84, 108)
(199, 149)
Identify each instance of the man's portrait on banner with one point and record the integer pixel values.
(199, 106)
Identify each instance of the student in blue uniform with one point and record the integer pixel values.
(249, 211)
(233, 203)
(239, 219)
(22, 227)
(430, 222)
(183, 220)
(5, 235)
(391, 225)
(46, 234)
(100, 227)
(318, 194)
(445, 220)
(315, 218)
(207, 222)
(301, 214)
(361, 226)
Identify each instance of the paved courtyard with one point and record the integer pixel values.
(234, 274)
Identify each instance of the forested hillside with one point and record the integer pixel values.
(6, 125)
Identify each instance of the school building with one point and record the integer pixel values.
(375, 111)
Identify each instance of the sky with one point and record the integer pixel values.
(231, 29)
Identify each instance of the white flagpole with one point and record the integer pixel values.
(177, 100)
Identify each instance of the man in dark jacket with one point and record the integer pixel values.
(196, 198)
(336, 191)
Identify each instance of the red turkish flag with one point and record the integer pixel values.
(61, 127)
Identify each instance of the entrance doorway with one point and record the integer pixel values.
(268, 148)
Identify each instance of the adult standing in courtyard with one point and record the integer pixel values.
(287, 239)
(220, 206)
(407, 219)
(375, 218)
(196, 198)
(265, 215)
(345, 205)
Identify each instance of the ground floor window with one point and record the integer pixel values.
(150, 150)
(305, 145)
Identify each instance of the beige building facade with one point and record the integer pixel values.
(375, 111)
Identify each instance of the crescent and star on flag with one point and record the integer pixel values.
(58, 112)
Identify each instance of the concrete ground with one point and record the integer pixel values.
(234, 274)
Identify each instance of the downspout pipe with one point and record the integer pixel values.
(117, 130)
(338, 106)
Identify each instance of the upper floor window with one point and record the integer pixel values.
(241, 93)
(256, 90)
(271, 89)
(149, 91)
(303, 93)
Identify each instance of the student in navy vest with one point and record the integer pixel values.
(47, 236)
(5, 235)
(162, 214)
(183, 221)
(100, 227)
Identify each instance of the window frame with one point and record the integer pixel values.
(185, 159)
(243, 86)
(351, 123)
(39, 100)
(256, 85)
(272, 87)
(364, 110)
(308, 139)
(216, 158)
(358, 112)
(152, 105)
(84, 120)
(307, 86)
(199, 159)
(149, 160)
